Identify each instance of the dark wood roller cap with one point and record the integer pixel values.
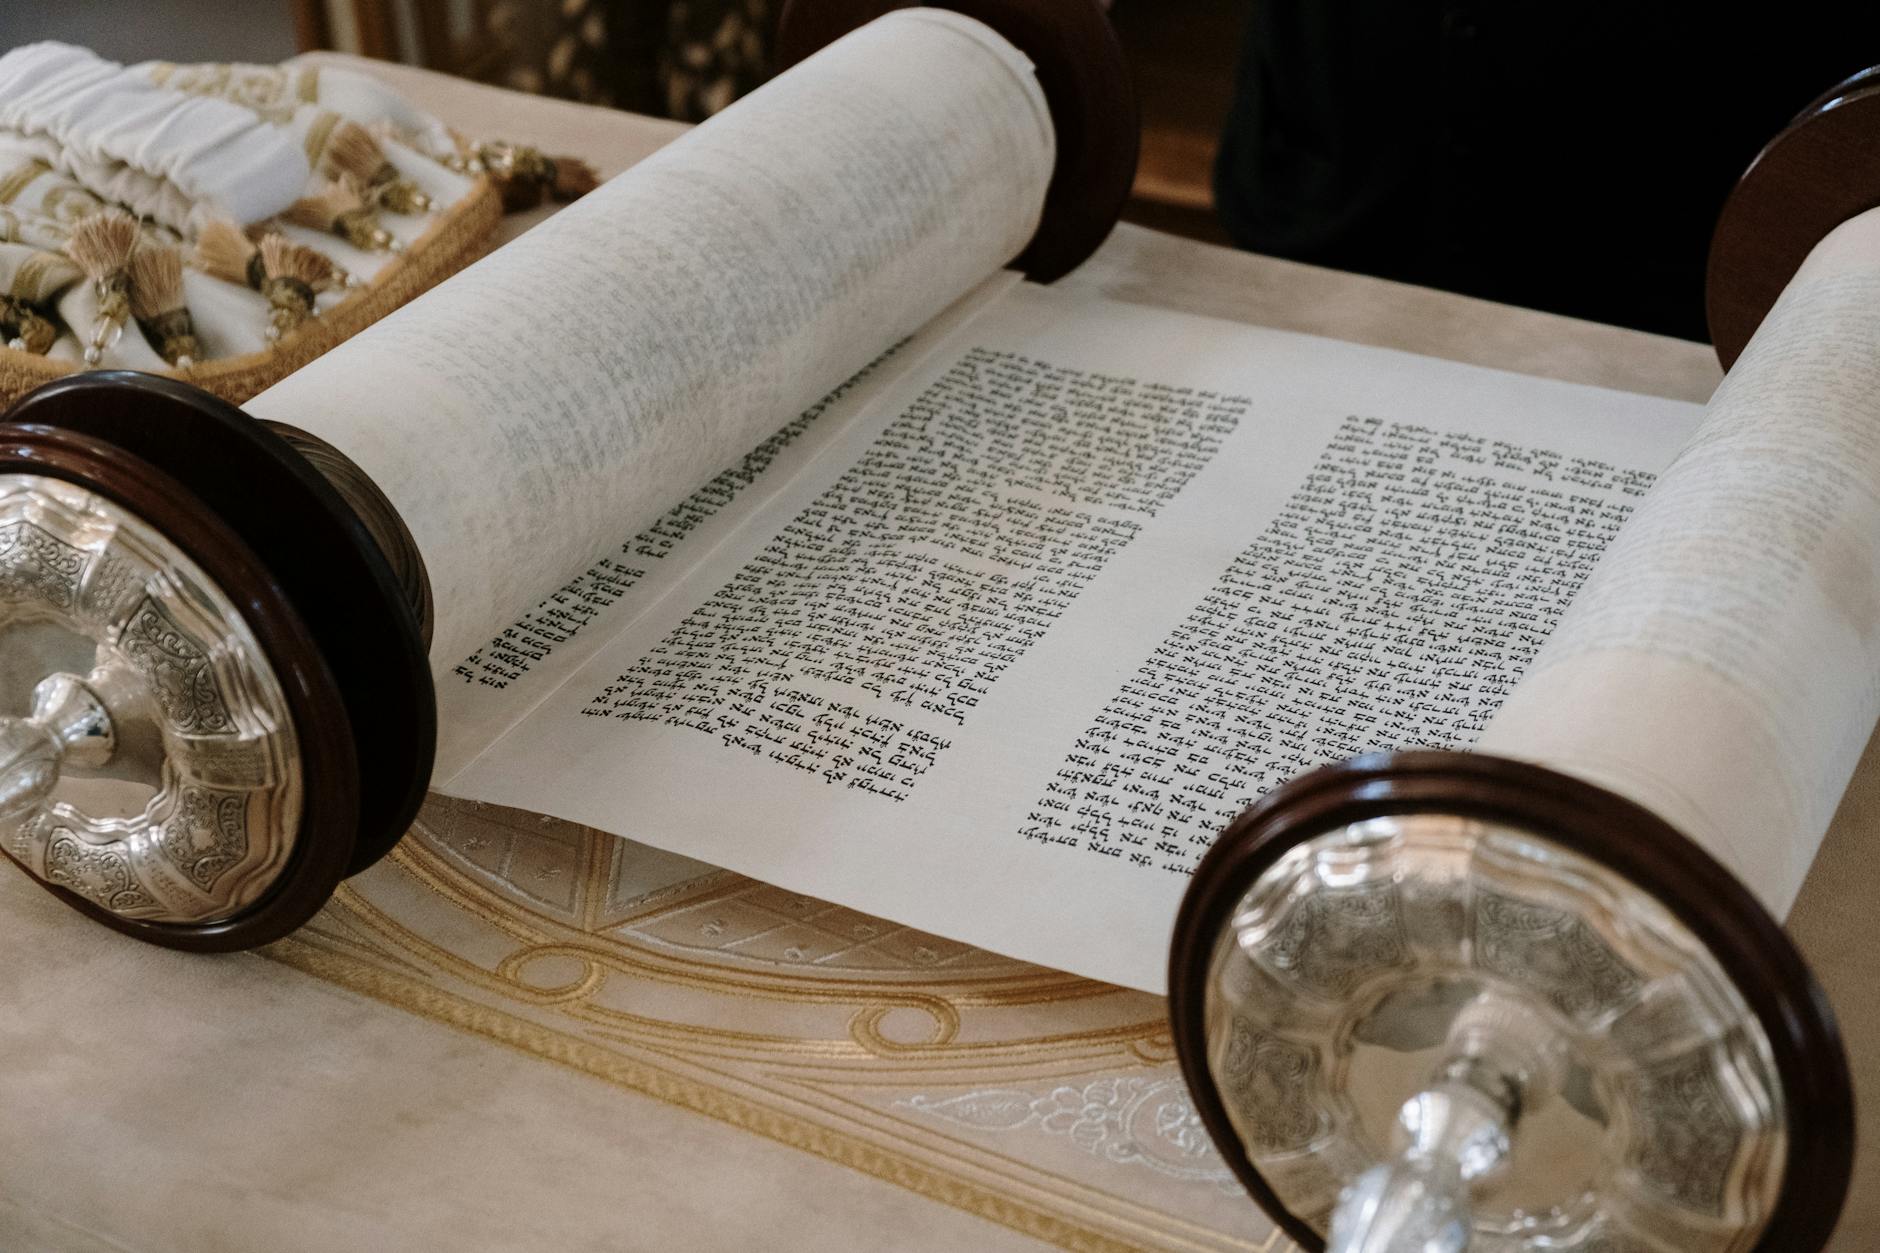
(1823, 169)
(329, 820)
(338, 624)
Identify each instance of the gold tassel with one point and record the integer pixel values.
(102, 244)
(342, 210)
(352, 152)
(574, 178)
(524, 175)
(24, 328)
(157, 303)
(225, 252)
(292, 275)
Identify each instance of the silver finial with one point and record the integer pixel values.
(1409, 1206)
(1432, 1033)
(68, 723)
(1454, 1136)
(165, 784)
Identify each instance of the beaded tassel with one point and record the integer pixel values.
(24, 328)
(342, 210)
(102, 244)
(524, 175)
(353, 153)
(156, 273)
(290, 275)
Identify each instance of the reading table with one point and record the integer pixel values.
(519, 1033)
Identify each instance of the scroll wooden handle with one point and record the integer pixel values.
(1823, 169)
(1086, 84)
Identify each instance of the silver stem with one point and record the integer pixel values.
(69, 725)
(1457, 1133)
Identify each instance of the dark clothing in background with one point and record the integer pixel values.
(1570, 156)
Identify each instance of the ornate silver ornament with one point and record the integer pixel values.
(148, 761)
(1432, 1033)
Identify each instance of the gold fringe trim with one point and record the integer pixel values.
(461, 234)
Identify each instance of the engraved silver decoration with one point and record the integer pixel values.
(1434, 1034)
(148, 762)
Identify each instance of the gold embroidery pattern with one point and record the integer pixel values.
(892, 1052)
(1150, 1121)
(19, 178)
(42, 276)
(270, 92)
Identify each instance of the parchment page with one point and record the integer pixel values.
(576, 384)
(1001, 663)
(484, 694)
(1723, 666)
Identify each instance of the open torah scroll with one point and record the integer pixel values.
(797, 537)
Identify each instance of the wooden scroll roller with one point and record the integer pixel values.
(1538, 996)
(219, 631)
(1085, 80)
(320, 569)
(1815, 175)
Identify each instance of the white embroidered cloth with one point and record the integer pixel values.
(166, 156)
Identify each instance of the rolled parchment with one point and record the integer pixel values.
(577, 383)
(1721, 666)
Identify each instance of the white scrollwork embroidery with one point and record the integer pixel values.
(1131, 1120)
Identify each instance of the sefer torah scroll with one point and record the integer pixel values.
(751, 508)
